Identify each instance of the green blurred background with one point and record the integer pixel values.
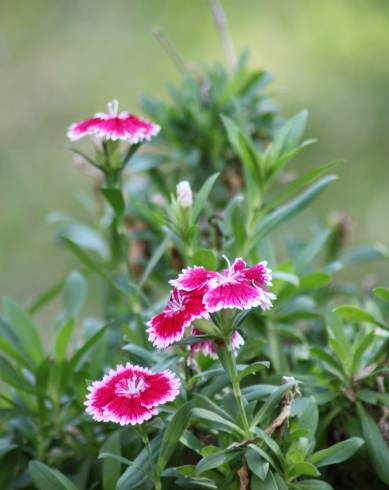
(63, 60)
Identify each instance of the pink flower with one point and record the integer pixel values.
(182, 308)
(237, 287)
(198, 292)
(114, 126)
(130, 394)
(207, 347)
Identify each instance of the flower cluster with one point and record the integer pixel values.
(130, 394)
(197, 292)
(114, 126)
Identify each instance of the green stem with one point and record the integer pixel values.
(146, 441)
(233, 374)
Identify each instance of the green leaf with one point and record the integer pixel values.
(202, 196)
(224, 423)
(257, 464)
(337, 453)
(62, 340)
(6, 446)
(205, 257)
(354, 314)
(309, 416)
(373, 397)
(147, 356)
(381, 293)
(360, 349)
(24, 329)
(45, 478)
(214, 461)
(111, 468)
(189, 440)
(207, 327)
(173, 433)
(288, 277)
(268, 484)
(205, 402)
(376, 446)
(364, 254)
(330, 361)
(300, 182)
(14, 352)
(121, 460)
(287, 211)
(115, 199)
(137, 473)
(253, 368)
(158, 253)
(46, 296)
(74, 294)
(311, 250)
(79, 356)
(290, 134)
(314, 280)
(246, 151)
(286, 144)
(86, 259)
(303, 468)
(314, 485)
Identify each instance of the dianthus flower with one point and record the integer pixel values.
(207, 347)
(237, 287)
(114, 125)
(198, 292)
(130, 394)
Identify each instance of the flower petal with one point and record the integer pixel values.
(193, 278)
(162, 387)
(232, 294)
(259, 274)
(169, 326)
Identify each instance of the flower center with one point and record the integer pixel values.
(130, 386)
(176, 303)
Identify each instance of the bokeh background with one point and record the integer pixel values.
(63, 60)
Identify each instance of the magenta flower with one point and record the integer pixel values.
(198, 292)
(237, 287)
(114, 126)
(182, 308)
(130, 394)
(207, 347)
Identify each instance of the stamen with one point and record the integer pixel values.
(229, 264)
(130, 386)
(176, 302)
(113, 107)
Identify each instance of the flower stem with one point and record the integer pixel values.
(155, 472)
(233, 374)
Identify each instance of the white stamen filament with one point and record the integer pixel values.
(176, 303)
(130, 386)
(113, 107)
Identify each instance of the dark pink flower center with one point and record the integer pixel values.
(130, 386)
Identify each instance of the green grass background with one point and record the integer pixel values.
(63, 60)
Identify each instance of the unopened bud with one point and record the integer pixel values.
(184, 194)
